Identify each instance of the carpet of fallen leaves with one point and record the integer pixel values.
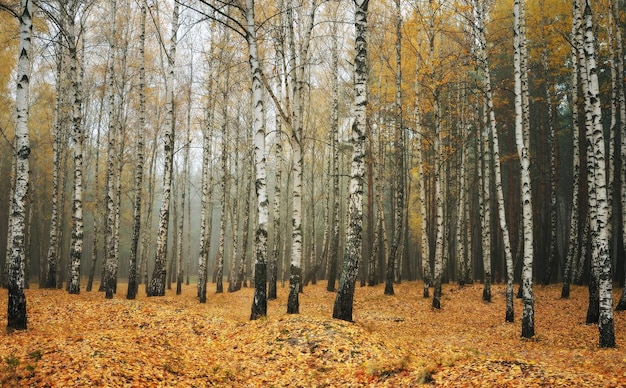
(86, 340)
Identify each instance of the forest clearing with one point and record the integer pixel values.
(84, 340)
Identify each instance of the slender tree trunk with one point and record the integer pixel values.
(16, 311)
(219, 260)
(278, 159)
(439, 208)
(345, 294)
(421, 186)
(77, 206)
(108, 269)
(399, 160)
(296, 72)
(333, 251)
(259, 303)
(241, 272)
(509, 316)
(600, 223)
(96, 211)
(53, 253)
(552, 144)
(157, 283)
(528, 320)
(621, 305)
(205, 201)
(486, 205)
(574, 231)
(132, 267)
(184, 184)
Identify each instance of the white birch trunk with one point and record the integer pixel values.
(421, 187)
(259, 304)
(52, 256)
(16, 311)
(185, 184)
(486, 203)
(601, 222)
(78, 137)
(438, 208)
(574, 231)
(157, 283)
(528, 319)
(207, 191)
(621, 305)
(393, 260)
(345, 294)
(110, 258)
(552, 145)
(219, 260)
(132, 267)
(296, 72)
(333, 251)
(278, 160)
(482, 58)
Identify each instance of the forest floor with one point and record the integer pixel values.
(86, 340)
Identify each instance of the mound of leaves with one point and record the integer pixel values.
(86, 340)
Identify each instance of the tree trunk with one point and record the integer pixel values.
(132, 267)
(108, 268)
(574, 231)
(53, 253)
(486, 206)
(421, 186)
(480, 25)
(157, 283)
(600, 223)
(345, 294)
(96, 210)
(552, 144)
(528, 320)
(207, 196)
(621, 305)
(259, 303)
(77, 206)
(399, 163)
(16, 311)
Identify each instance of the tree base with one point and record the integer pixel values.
(607, 334)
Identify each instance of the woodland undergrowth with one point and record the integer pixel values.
(86, 340)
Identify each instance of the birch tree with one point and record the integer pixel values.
(259, 304)
(574, 224)
(132, 267)
(333, 251)
(488, 95)
(53, 253)
(16, 311)
(521, 141)
(345, 294)
(619, 59)
(598, 199)
(399, 159)
(76, 251)
(157, 283)
(111, 260)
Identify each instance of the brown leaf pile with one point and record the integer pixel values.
(85, 340)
